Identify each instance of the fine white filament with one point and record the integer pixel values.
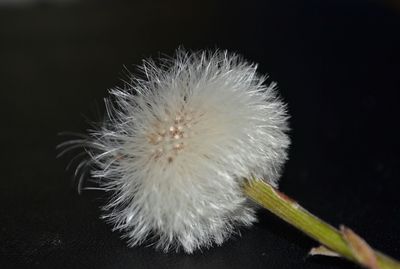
(177, 145)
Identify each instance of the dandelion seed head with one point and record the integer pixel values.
(177, 146)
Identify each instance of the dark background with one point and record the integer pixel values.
(337, 64)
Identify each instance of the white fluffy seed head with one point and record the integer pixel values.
(177, 146)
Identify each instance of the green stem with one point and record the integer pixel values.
(353, 249)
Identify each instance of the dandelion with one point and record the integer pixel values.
(178, 145)
(187, 149)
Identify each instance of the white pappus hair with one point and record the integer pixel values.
(178, 144)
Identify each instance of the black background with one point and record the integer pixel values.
(337, 64)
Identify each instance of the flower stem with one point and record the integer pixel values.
(345, 242)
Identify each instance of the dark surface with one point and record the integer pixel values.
(337, 64)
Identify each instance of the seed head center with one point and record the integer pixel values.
(169, 137)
